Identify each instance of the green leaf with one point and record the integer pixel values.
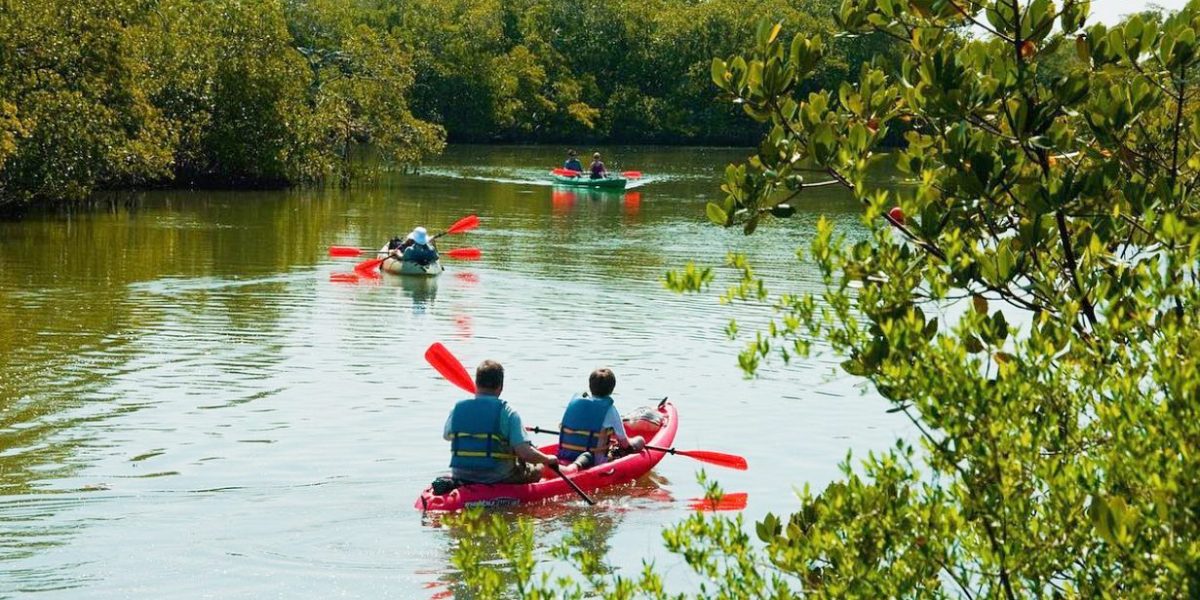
(1000, 326)
(716, 214)
(931, 329)
(774, 32)
(854, 367)
(719, 73)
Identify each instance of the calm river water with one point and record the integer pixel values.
(189, 406)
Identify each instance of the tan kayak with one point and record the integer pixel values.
(407, 267)
(404, 267)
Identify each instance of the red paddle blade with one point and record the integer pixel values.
(466, 223)
(717, 458)
(343, 278)
(445, 363)
(465, 253)
(344, 251)
(732, 501)
(565, 172)
(631, 174)
(369, 266)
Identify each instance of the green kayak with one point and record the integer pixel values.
(608, 183)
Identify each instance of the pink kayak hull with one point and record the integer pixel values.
(614, 472)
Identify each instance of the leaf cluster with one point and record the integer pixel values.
(1030, 307)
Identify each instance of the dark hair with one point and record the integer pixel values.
(571, 152)
(602, 382)
(489, 375)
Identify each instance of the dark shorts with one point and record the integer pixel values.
(524, 473)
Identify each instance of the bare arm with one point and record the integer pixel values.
(529, 454)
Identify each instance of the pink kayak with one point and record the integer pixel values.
(613, 472)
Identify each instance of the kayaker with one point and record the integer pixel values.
(416, 248)
(591, 424)
(598, 170)
(572, 163)
(487, 440)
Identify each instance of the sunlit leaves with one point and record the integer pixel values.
(1052, 239)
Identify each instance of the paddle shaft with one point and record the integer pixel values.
(717, 458)
(575, 487)
(576, 174)
(647, 446)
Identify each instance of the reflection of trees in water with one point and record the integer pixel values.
(490, 537)
(94, 301)
(422, 290)
(82, 292)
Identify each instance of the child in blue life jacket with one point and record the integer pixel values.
(591, 424)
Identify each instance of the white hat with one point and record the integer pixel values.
(419, 235)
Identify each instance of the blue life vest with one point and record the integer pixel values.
(583, 427)
(573, 164)
(476, 441)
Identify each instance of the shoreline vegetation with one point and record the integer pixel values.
(130, 94)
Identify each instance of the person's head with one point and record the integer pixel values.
(596, 156)
(602, 382)
(489, 378)
(419, 235)
(572, 153)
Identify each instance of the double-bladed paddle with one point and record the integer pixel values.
(731, 461)
(459, 253)
(464, 224)
(453, 370)
(345, 251)
(570, 173)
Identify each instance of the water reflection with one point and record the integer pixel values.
(633, 206)
(589, 529)
(422, 290)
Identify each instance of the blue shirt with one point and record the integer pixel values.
(573, 164)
